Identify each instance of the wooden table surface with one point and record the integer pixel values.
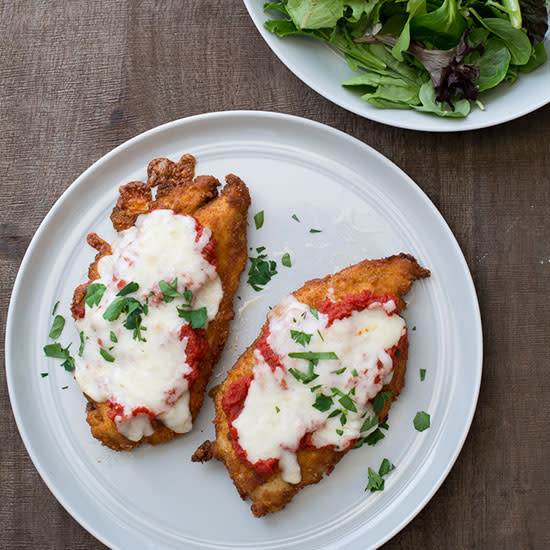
(78, 78)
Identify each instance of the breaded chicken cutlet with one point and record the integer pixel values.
(154, 315)
(322, 374)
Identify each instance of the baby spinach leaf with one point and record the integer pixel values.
(493, 64)
(538, 57)
(315, 14)
(442, 27)
(516, 40)
(429, 105)
(414, 7)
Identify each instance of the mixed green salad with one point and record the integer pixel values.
(435, 56)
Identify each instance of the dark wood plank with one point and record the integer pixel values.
(79, 78)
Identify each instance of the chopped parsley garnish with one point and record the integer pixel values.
(57, 351)
(422, 374)
(112, 313)
(195, 317)
(301, 338)
(106, 355)
(259, 219)
(314, 312)
(339, 371)
(112, 337)
(343, 418)
(354, 372)
(57, 326)
(64, 387)
(379, 400)
(261, 271)
(295, 217)
(277, 409)
(397, 352)
(369, 423)
(43, 374)
(304, 377)
(94, 293)
(384, 426)
(320, 335)
(339, 432)
(374, 437)
(313, 356)
(170, 291)
(315, 388)
(285, 260)
(134, 311)
(315, 230)
(386, 467)
(414, 328)
(81, 348)
(347, 402)
(128, 289)
(376, 482)
(421, 421)
(260, 249)
(55, 308)
(323, 402)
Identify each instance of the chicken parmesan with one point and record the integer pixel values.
(317, 381)
(154, 316)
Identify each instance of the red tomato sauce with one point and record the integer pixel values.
(354, 302)
(270, 357)
(209, 250)
(232, 404)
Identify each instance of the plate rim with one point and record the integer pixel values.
(377, 114)
(228, 114)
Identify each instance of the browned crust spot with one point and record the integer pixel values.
(225, 215)
(394, 275)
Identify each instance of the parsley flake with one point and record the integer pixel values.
(195, 317)
(64, 387)
(128, 289)
(259, 219)
(55, 308)
(421, 421)
(112, 337)
(170, 291)
(304, 377)
(379, 400)
(106, 355)
(59, 352)
(314, 312)
(376, 482)
(277, 409)
(369, 423)
(285, 260)
(320, 335)
(81, 348)
(339, 371)
(301, 338)
(386, 467)
(354, 372)
(422, 374)
(339, 432)
(261, 271)
(57, 326)
(43, 374)
(313, 356)
(94, 293)
(315, 230)
(323, 402)
(295, 217)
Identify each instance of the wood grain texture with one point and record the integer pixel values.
(78, 78)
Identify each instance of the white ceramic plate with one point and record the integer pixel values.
(323, 69)
(366, 207)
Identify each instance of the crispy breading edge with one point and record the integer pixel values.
(394, 275)
(225, 216)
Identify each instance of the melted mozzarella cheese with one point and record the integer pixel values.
(150, 373)
(279, 409)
